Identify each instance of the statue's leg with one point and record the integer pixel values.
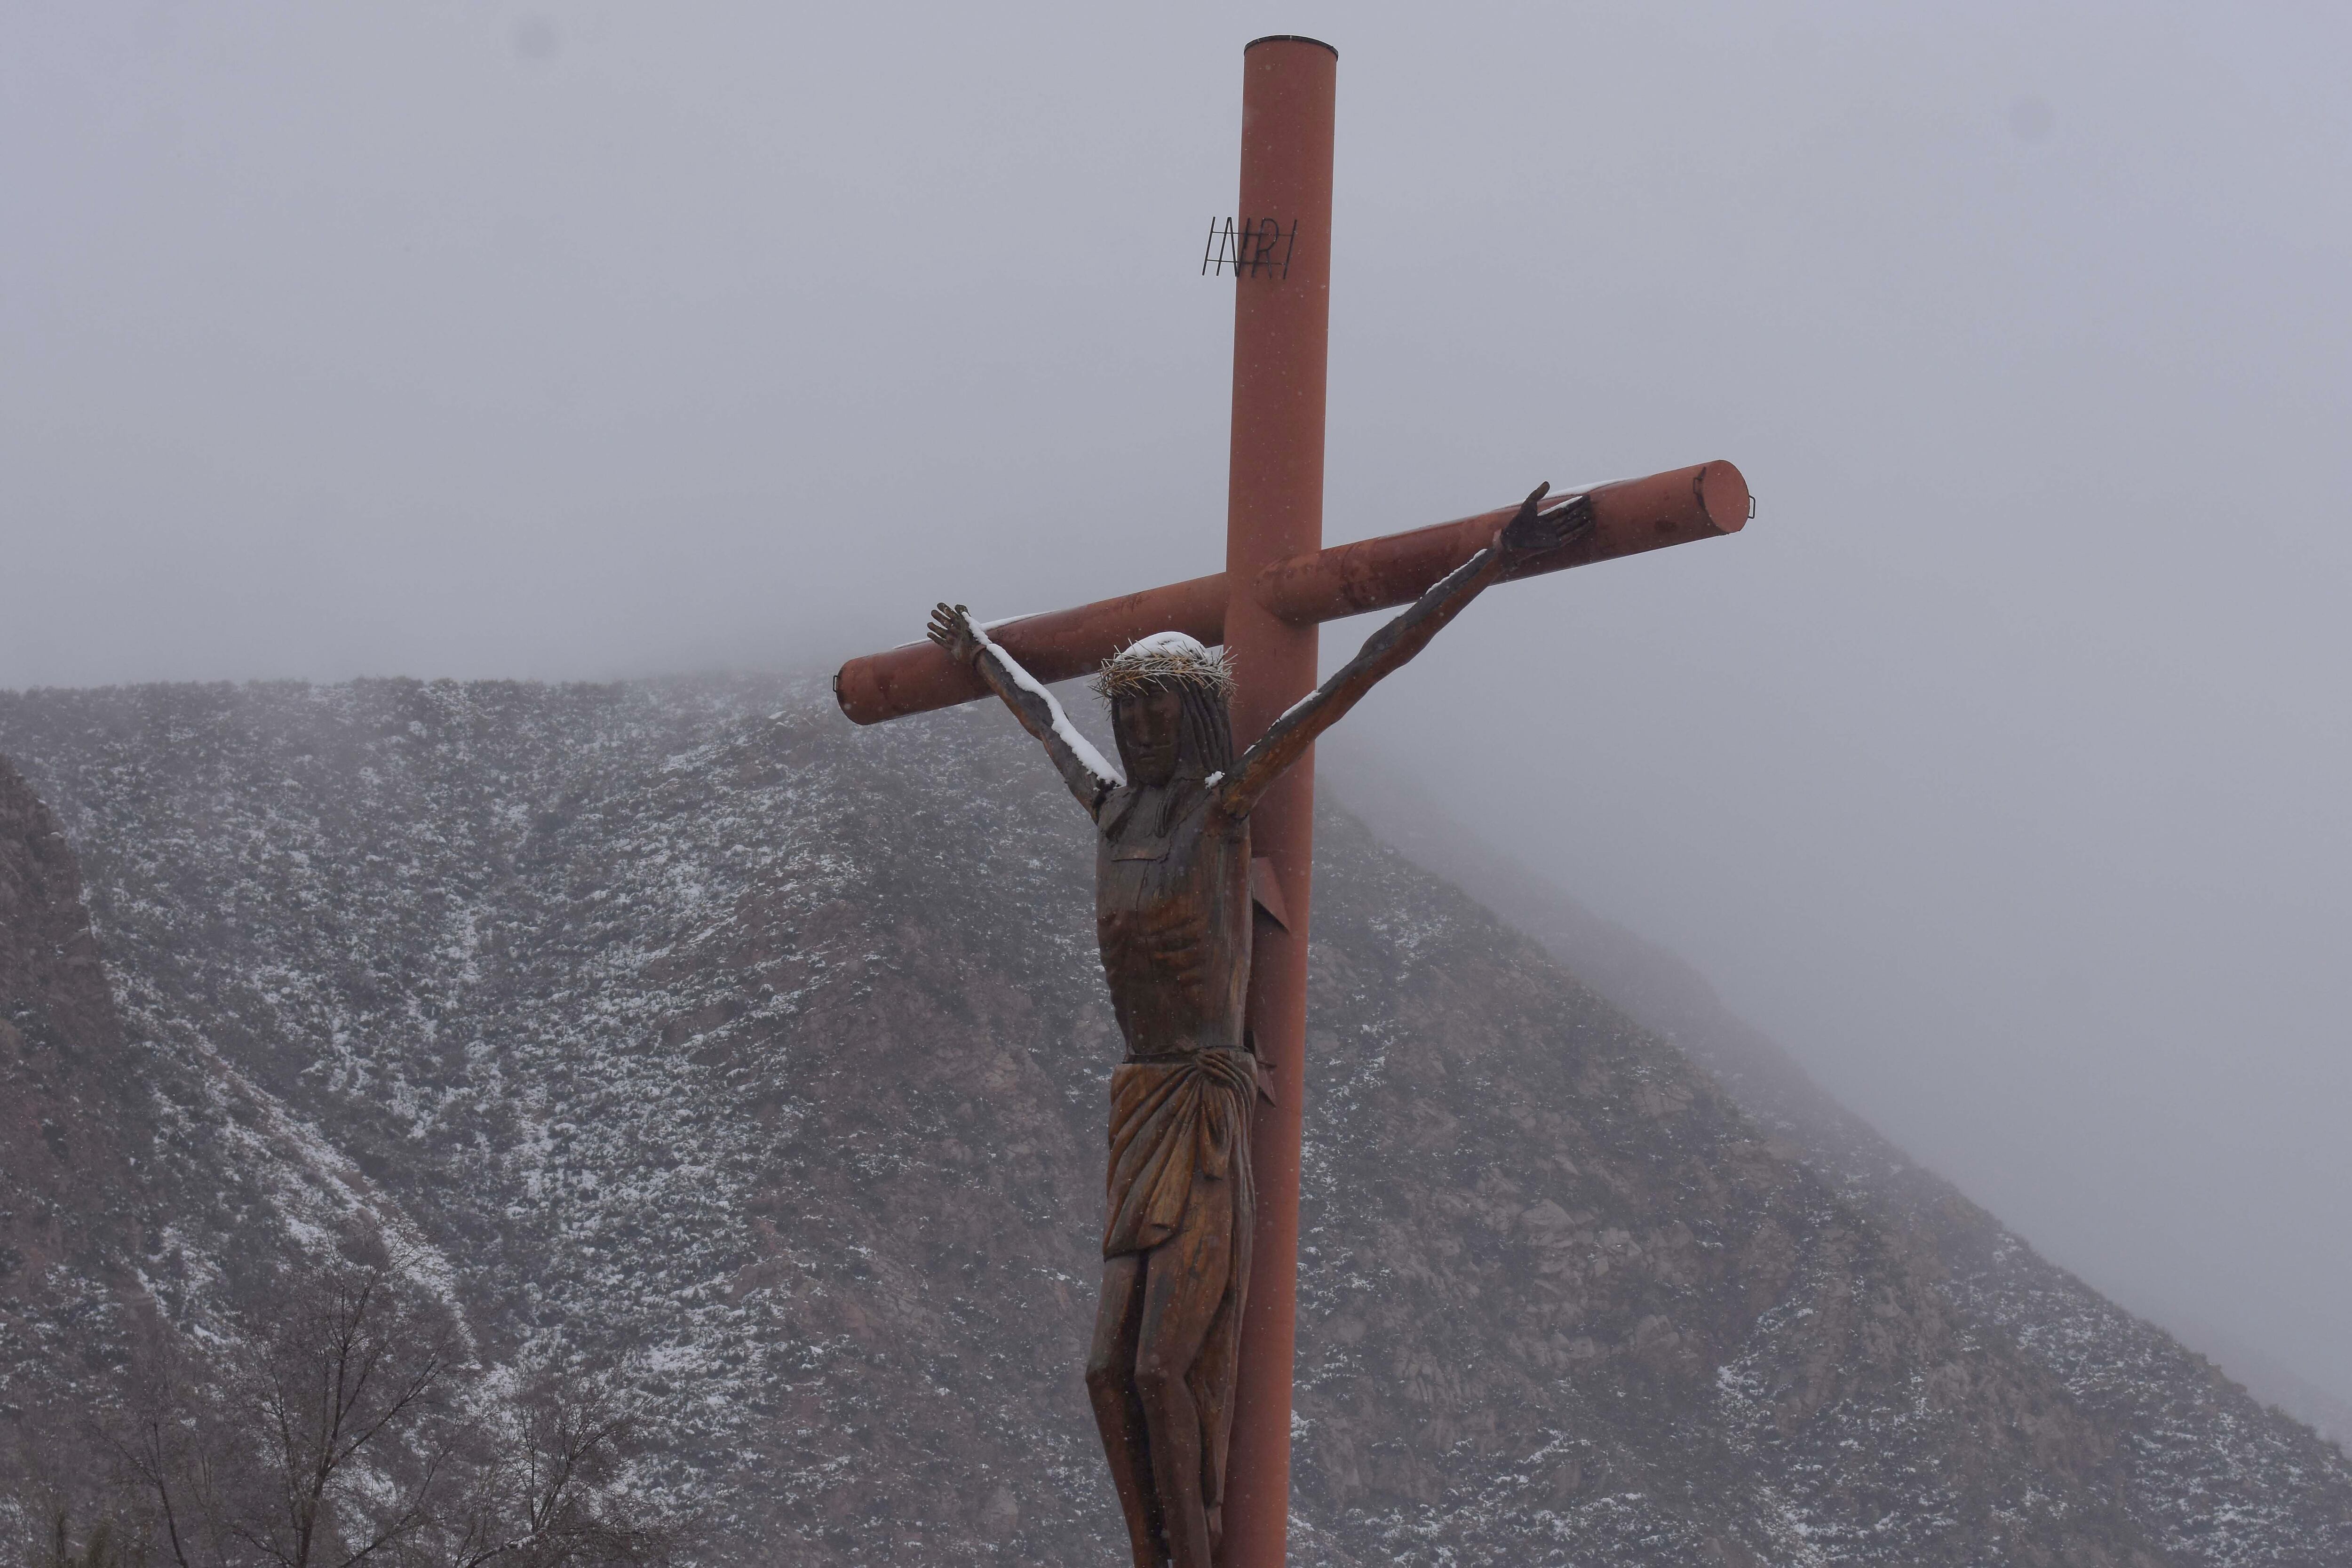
(1183, 1285)
(1110, 1385)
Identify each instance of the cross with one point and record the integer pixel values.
(1278, 586)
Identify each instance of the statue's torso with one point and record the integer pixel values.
(1172, 914)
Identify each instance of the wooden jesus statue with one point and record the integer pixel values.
(1172, 914)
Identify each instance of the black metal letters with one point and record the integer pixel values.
(1250, 246)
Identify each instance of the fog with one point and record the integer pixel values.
(2000, 768)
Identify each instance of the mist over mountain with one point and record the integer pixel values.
(680, 1027)
(1667, 995)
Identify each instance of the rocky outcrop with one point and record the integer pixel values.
(73, 1118)
(685, 1026)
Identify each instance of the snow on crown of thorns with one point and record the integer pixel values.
(1164, 659)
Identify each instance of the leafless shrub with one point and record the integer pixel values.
(106, 1544)
(542, 1496)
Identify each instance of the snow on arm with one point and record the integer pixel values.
(1067, 732)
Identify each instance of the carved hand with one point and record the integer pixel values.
(951, 628)
(1539, 529)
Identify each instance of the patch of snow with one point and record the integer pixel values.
(1068, 733)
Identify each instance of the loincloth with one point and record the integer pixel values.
(1179, 1131)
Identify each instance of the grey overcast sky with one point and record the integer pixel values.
(2000, 768)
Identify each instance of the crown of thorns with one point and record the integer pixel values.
(1164, 659)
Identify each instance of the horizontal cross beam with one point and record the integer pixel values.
(1629, 516)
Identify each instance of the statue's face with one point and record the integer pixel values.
(1147, 725)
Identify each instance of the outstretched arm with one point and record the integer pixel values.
(1081, 766)
(1537, 527)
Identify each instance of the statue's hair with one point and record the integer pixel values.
(1164, 659)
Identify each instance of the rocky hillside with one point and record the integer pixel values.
(682, 1026)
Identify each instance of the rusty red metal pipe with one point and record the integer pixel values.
(1630, 516)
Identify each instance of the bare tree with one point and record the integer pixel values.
(321, 1441)
(345, 1429)
(163, 1459)
(345, 1405)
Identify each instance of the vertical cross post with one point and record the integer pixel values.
(1274, 510)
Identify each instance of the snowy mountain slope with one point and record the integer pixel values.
(685, 1024)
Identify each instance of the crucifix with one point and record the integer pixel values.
(1204, 847)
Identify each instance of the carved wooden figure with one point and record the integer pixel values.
(1173, 915)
